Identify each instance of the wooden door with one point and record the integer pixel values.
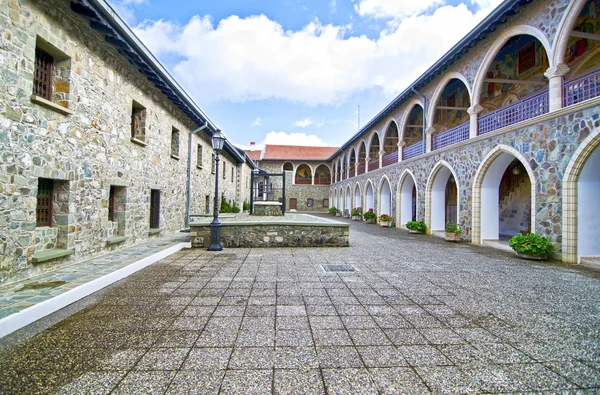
(293, 204)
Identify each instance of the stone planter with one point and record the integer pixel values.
(338, 214)
(415, 231)
(370, 221)
(356, 218)
(346, 215)
(385, 224)
(531, 257)
(452, 236)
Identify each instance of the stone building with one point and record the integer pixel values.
(96, 139)
(307, 174)
(500, 135)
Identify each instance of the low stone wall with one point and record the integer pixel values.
(265, 235)
(261, 209)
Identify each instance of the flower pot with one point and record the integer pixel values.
(356, 218)
(346, 215)
(415, 231)
(385, 224)
(531, 257)
(452, 236)
(370, 221)
(338, 214)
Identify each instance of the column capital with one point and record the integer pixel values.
(560, 70)
(401, 143)
(476, 109)
(430, 130)
(367, 159)
(382, 152)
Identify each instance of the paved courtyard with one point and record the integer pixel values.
(419, 315)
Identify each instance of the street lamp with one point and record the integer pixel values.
(217, 140)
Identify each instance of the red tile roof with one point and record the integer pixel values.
(254, 154)
(285, 152)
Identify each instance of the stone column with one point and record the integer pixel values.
(401, 144)
(356, 164)
(555, 77)
(381, 155)
(367, 160)
(474, 114)
(430, 131)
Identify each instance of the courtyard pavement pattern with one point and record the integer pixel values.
(419, 315)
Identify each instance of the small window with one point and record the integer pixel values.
(232, 173)
(325, 203)
(43, 80)
(287, 166)
(111, 203)
(51, 77)
(154, 209)
(309, 202)
(207, 205)
(175, 143)
(138, 122)
(527, 58)
(43, 212)
(224, 170)
(199, 156)
(213, 164)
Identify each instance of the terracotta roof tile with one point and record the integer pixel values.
(254, 154)
(289, 152)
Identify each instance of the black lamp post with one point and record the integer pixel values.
(217, 140)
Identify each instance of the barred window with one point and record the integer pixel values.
(232, 173)
(111, 203)
(213, 165)
(43, 76)
(138, 122)
(224, 169)
(199, 156)
(175, 143)
(43, 210)
(154, 209)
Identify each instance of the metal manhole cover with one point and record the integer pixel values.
(336, 268)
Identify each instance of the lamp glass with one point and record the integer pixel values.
(217, 140)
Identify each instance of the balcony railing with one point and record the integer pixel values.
(322, 180)
(452, 136)
(413, 150)
(303, 180)
(360, 170)
(374, 164)
(390, 159)
(582, 88)
(530, 107)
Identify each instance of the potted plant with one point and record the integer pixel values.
(385, 220)
(416, 226)
(531, 246)
(370, 217)
(453, 232)
(346, 213)
(356, 214)
(333, 210)
(246, 207)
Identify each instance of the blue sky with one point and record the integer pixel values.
(294, 71)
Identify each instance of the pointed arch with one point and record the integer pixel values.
(409, 107)
(497, 46)
(485, 189)
(435, 198)
(565, 27)
(348, 198)
(384, 196)
(406, 198)
(452, 75)
(571, 197)
(369, 196)
(357, 198)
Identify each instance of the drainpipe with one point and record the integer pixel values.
(424, 99)
(189, 176)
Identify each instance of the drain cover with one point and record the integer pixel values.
(336, 268)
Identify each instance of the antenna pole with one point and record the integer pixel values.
(358, 117)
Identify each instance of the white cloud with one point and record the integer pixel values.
(255, 58)
(332, 6)
(308, 122)
(125, 9)
(393, 8)
(256, 122)
(283, 138)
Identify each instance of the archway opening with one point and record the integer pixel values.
(588, 216)
(385, 198)
(505, 199)
(413, 134)
(444, 202)
(408, 200)
(370, 200)
(341, 201)
(348, 199)
(362, 158)
(374, 152)
(287, 166)
(515, 88)
(322, 175)
(344, 167)
(357, 199)
(451, 119)
(352, 164)
(303, 174)
(390, 145)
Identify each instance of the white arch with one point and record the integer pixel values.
(384, 201)
(438, 93)
(357, 196)
(565, 27)
(341, 200)
(411, 104)
(369, 198)
(335, 194)
(435, 196)
(485, 192)
(384, 132)
(497, 46)
(348, 198)
(404, 199)
(375, 132)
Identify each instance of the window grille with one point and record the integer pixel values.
(199, 156)
(111, 203)
(138, 122)
(44, 202)
(43, 76)
(213, 165)
(154, 208)
(175, 142)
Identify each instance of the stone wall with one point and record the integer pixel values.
(83, 142)
(274, 235)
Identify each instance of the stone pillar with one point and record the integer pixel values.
(430, 131)
(401, 144)
(381, 155)
(474, 114)
(555, 77)
(356, 164)
(367, 160)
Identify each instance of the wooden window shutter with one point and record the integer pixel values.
(44, 202)
(43, 75)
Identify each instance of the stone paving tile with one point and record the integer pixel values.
(98, 383)
(196, 382)
(399, 380)
(148, 383)
(339, 357)
(207, 358)
(162, 359)
(247, 382)
(349, 381)
(298, 381)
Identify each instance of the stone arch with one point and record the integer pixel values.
(572, 226)
(485, 192)
(303, 174)
(453, 75)
(406, 198)
(413, 102)
(435, 196)
(322, 174)
(352, 163)
(497, 46)
(357, 198)
(348, 198)
(288, 166)
(369, 197)
(341, 200)
(334, 200)
(579, 67)
(565, 27)
(384, 200)
(384, 132)
(374, 139)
